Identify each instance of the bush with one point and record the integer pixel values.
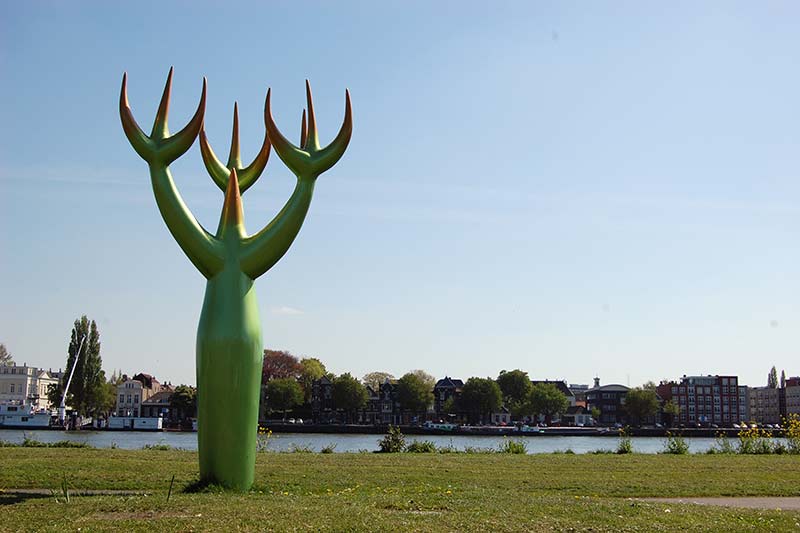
(568, 451)
(791, 430)
(448, 448)
(601, 452)
(421, 446)
(722, 444)
(755, 441)
(675, 445)
(328, 448)
(625, 444)
(477, 449)
(393, 442)
(262, 439)
(300, 448)
(159, 447)
(513, 446)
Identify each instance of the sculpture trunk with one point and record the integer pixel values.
(229, 360)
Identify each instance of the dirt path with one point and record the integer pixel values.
(784, 503)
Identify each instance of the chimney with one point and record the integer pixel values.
(596, 382)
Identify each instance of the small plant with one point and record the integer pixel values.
(675, 445)
(171, 483)
(791, 431)
(513, 446)
(568, 451)
(393, 442)
(421, 446)
(478, 449)
(28, 442)
(63, 491)
(262, 439)
(755, 441)
(722, 444)
(300, 448)
(67, 444)
(328, 448)
(601, 451)
(447, 448)
(161, 447)
(625, 444)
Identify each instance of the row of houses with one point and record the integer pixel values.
(704, 400)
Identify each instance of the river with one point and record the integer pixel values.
(280, 442)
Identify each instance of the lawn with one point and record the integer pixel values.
(384, 492)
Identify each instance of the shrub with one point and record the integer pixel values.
(447, 448)
(791, 430)
(722, 444)
(513, 446)
(32, 443)
(477, 449)
(755, 441)
(159, 447)
(421, 446)
(625, 445)
(300, 448)
(675, 445)
(393, 442)
(262, 438)
(329, 448)
(568, 451)
(601, 452)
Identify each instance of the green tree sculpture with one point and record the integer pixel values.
(229, 342)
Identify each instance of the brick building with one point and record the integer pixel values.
(707, 400)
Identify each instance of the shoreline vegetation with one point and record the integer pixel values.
(392, 491)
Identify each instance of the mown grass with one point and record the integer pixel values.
(382, 492)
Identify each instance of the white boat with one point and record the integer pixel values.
(136, 423)
(529, 429)
(23, 416)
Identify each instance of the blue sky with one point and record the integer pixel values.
(574, 189)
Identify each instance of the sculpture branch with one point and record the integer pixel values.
(159, 150)
(219, 172)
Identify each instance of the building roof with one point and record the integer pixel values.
(159, 398)
(613, 387)
(448, 383)
(560, 385)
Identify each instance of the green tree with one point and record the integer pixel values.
(311, 369)
(184, 402)
(87, 393)
(376, 379)
(516, 388)
(772, 378)
(349, 395)
(426, 378)
(671, 411)
(413, 393)
(450, 406)
(480, 397)
(283, 394)
(641, 403)
(595, 412)
(5, 356)
(783, 379)
(545, 399)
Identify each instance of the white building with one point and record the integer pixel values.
(26, 385)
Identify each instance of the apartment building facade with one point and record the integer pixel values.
(707, 400)
(27, 385)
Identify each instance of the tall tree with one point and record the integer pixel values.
(279, 364)
(184, 402)
(516, 387)
(545, 399)
(348, 395)
(375, 379)
(5, 356)
(311, 369)
(641, 403)
(413, 393)
(480, 397)
(772, 379)
(283, 394)
(426, 378)
(87, 394)
(671, 411)
(783, 379)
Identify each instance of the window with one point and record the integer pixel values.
(129, 398)
(121, 398)
(12, 388)
(135, 398)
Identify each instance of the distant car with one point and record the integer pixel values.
(715, 426)
(291, 420)
(298, 420)
(659, 425)
(737, 426)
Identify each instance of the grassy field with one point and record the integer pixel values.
(408, 492)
